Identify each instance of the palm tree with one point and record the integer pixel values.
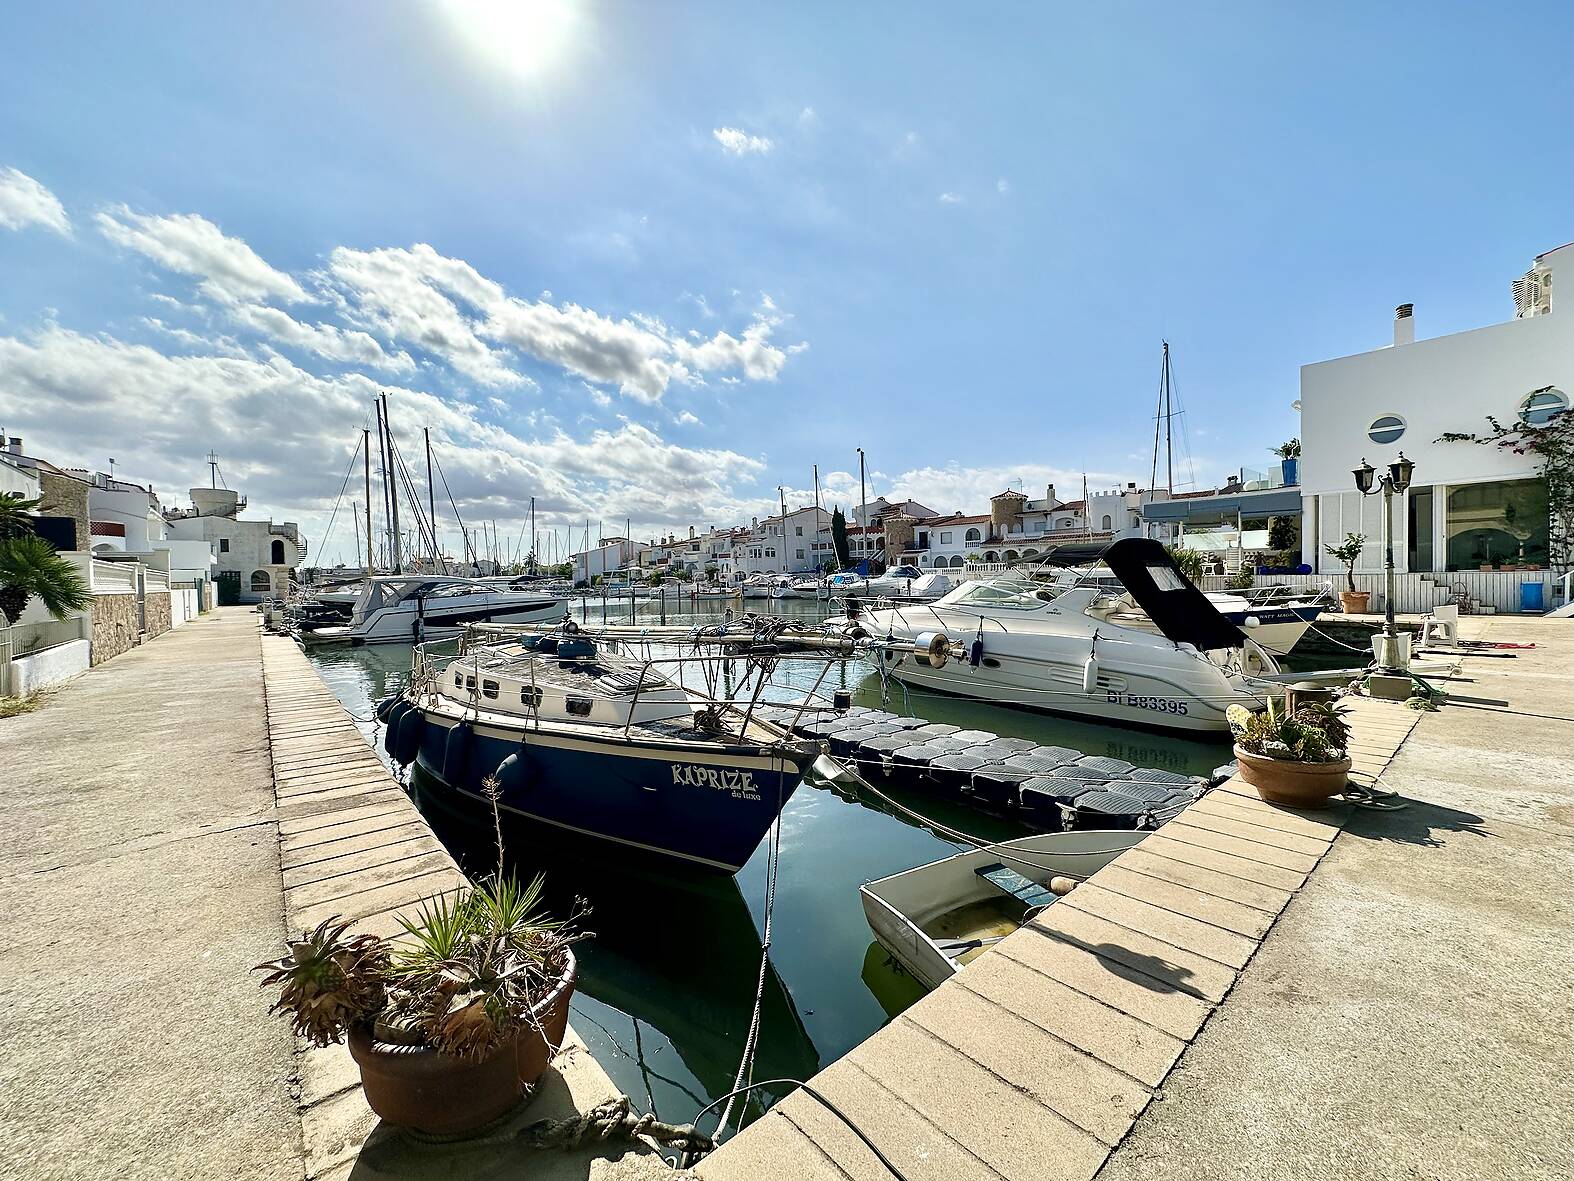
(30, 566)
(14, 510)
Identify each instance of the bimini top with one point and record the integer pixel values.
(1178, 609)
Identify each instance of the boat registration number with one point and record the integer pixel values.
(1163, 705)
(736, 783)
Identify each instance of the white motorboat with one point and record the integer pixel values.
(939, 917)
(757, 586)
(1066, 649)
(715, 591)
(798, 588)
(393, 609)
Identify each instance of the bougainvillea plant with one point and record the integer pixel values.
(1552, 443)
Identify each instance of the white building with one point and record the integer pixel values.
(253, 557)
(800, 544)
(607, 557)
(1470, 506)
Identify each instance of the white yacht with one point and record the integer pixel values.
(1066, 649)
(402, 608)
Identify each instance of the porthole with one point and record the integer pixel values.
(1543, 406)
(489, 689)
(530, 696)
(578, 707)
(1386, 429)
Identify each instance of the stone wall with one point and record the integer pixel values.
(115, 625)
(66, 496)
(158, 613)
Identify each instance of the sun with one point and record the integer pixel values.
(525, 37)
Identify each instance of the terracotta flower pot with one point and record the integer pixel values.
(1297, 785)
(417, 1087)
(1354, 602)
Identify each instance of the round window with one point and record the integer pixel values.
(1386, 429)
(1543, 406)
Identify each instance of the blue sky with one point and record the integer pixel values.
(653, 260)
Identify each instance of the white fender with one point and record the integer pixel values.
(1090, 675)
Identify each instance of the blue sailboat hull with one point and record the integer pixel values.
(701, 803)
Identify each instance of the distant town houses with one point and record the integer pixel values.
(149, 569)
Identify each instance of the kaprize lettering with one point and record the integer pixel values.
(721, 778)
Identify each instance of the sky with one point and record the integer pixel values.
(653, 261)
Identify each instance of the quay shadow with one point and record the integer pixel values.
(1147, 971)
(1415, 822)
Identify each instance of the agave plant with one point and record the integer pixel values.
(473, 964)
(1314, 733)
(328, 981)
(30, 566)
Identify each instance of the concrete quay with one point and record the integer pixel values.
(169, 816)
(1258, 992)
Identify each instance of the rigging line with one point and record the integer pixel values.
(404, 471)
(464, 533)
(773, 862)
(349, 468)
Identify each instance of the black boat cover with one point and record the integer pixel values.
(1178, 609)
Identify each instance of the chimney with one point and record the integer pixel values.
(14, 445)
(691, 532)
(1404, 324)
(1049, 495)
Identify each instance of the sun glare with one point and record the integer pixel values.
(524, 36)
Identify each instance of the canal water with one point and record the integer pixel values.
(667, 984)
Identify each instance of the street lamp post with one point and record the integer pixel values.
(1369, 482)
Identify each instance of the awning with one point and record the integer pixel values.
(1278, 502)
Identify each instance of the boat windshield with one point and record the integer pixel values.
(1000, 595)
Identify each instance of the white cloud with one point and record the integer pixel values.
(807, 115)
(1002, 186)
(740, 143)
(686, 419)
(410, 295)
(77, 396)
(950, 198)
(25, 202)
(401, 294)
(348, 345)
(230, 271)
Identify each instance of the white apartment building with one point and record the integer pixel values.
(1470, 506)
(800, 544)
(253, 557)
(610, 555)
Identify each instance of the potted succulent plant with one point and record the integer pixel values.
(452, 1021)
(1300, 758)
(1348, 552)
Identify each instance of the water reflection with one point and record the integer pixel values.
(674, 962)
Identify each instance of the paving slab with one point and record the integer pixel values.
(132, 907)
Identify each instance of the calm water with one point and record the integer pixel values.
(667, 985)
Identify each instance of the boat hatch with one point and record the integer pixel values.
(1009, 881)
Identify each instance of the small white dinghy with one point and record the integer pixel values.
(939, 917)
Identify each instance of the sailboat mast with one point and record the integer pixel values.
(395, 538)
(534, 564)
(863, 511)
(431, 501)
(366, 465)
(1169, 424)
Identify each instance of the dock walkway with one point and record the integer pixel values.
(352, 844)
(166, 815)
(1038, 1059)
